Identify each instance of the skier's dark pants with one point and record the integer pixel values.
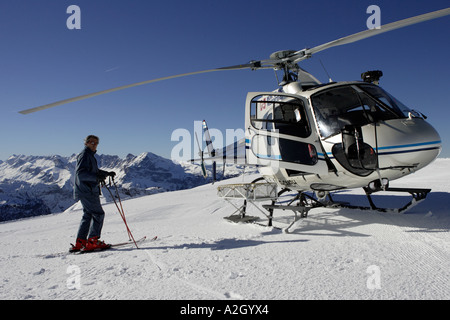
(92, 220)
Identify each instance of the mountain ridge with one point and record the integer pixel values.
(36, 185)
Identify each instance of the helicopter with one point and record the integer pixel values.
(308, 136)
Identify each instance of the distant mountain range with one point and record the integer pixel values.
(38, 185)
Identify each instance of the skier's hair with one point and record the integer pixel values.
(90, 137)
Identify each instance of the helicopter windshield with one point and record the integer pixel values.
(355, 105)
(390, 101)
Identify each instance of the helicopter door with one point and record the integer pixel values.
(279, 134)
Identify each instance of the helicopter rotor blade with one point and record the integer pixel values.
(275, 62)
(306, 53)
(90, 95)
(251, 65)
(263, 64)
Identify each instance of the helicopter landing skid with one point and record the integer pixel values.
(299, 203)
(417, 194)
(305, 202)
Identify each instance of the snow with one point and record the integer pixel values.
(333, 254)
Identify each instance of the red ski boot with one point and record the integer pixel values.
(79, 245)
(94, 244)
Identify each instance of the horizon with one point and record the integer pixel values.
(76, 153)
(120, 156)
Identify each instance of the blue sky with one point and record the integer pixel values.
(122, 42)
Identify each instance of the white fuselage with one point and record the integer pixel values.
(393, 140)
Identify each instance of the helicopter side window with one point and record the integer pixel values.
(271, 113)
(286, 116)
(261, 113)
(269, 126)
(337, 107)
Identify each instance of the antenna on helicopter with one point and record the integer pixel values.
(324, 69)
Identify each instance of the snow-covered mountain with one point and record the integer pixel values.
(37, 185)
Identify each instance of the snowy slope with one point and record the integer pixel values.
(333, 254)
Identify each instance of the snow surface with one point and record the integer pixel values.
(333, 254)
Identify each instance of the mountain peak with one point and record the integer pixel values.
(47, 181)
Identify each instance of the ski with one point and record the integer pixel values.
(117, 245)
(95, 250)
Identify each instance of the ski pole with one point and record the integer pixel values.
(121, 212)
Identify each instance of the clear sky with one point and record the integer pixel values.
(126, 41)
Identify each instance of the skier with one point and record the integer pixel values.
(87, 189)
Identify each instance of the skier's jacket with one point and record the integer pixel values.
(87, 183)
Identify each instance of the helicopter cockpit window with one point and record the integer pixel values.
(335, 108)
(395, 106)
(354, 105)
(279, 113)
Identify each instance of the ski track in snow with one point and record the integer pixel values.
(199, 255)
